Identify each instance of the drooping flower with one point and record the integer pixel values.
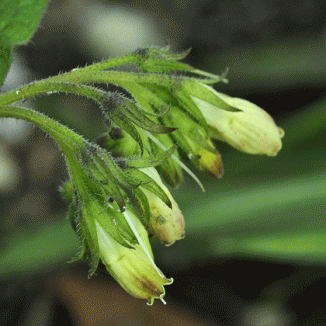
(133, 268)
(119, 240)
(249, 129)
(167, 223)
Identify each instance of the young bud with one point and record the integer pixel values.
(134, 269)
(119, 143)
(170, 171)
(205, 160)
(251, 129)
(166, 223)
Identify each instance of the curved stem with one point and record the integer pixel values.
(48, 87)
(67, 83)
(71, 83)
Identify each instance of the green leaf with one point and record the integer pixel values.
(5, 61)
(19, 19)
(295, 246)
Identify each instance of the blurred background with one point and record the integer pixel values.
(255, 246)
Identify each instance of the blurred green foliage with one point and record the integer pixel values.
(18, 21)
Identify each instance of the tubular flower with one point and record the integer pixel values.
(249, 129)
(133, 268)
(165, 222)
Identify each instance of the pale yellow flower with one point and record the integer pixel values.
(134, 269)
(166, 223)
(251, 130)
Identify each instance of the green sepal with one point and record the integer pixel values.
(116, 225)
(169, 170)
(153, 160)
(180, 116)
(73, 215)
(118, 143)
(211, 78)
(114, 192)
(202, 141)
(147, 100)
(165, 97)
(157, 60)
(182, 142)
(160, 96)
(183, 120)
(68, 192)
(190, 107)
(139, 118)
(124, 123)
(207, 94)
(143, 204)
(82, 254)
(155, 52)
(177, 98)
(88, 234)
(121, 176)
(74, 219)
(109, 190)
(162, 65)
(191, 130)
(151, 185)
(98, 172)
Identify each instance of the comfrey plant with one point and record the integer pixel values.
(116, 195)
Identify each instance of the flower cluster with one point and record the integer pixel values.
(116, 196)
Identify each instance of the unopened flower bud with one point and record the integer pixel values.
(205, 160)
(119, 143)
(166, 223)
(251, 129)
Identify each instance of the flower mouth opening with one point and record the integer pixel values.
(150, 301)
